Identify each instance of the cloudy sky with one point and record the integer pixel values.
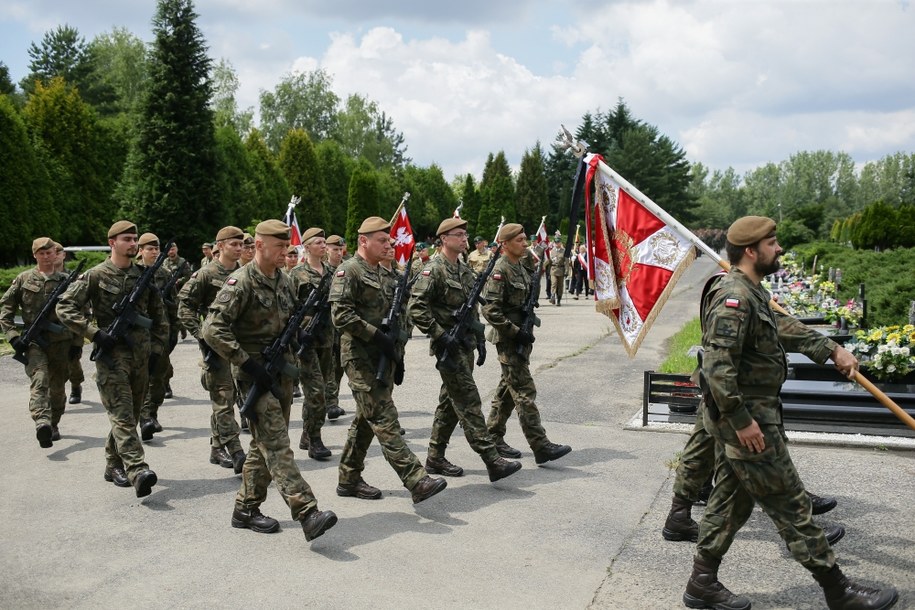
(736, 83)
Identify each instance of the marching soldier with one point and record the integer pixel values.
(506, 290)
(47, 366)
(250, 311)
(479, 258)
(207, 250)
(334, 245)
(316, 369)
(170, 264)
(443, 286)
(193, 303)
(124, 378)
(75, 374)
(360, 298)
(559, 268)
(247, 250)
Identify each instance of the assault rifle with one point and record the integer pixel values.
(456, 335)
(390, 325)
(533, 300)
(126, 310)
(41, 322)
(275, 358)
(317, 302)
(172, 280)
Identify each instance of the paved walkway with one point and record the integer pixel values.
(582, 532)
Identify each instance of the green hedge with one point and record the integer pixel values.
(888, 277)
(8, 275)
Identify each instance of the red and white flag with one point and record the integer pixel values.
(402, 234)
(541, 238)
(295, 235)
(635, 258)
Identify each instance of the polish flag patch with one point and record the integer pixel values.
(732, 302)
(497, 277)
(341, 273)
(231, 281)
(426, 272)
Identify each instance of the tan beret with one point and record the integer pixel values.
(509, 231)
(451, 223)
(292, 250)
(229, 233)
(121, 226)
(248, 239)
(147, 239)
(58, 246)
(41, 243)
(373, 224)
(273, 228)
(334, 240)
(750, 229)
(310, 234)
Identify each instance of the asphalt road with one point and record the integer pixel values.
(582, 532)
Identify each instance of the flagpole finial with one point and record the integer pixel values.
(567, 142)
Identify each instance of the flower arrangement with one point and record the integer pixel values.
(834, 312)
(888, 352)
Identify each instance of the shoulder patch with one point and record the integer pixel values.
(732, 302)
(496, 276)
(340, 273)
(231, 282)
(224, 296)
(427, 272)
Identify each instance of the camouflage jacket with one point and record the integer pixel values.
(441, 289)
(102, 287)
(478, 261)
(303, 277)
(360, 297)
(248, 313)
(198, 293)
(170, 265)
(744, 344)
(27, 294)
(169, 300)
(505, 293)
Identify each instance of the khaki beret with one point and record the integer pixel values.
(373, 224)
(750, 229)
(292, 250)
(509, 231)
(206, 244)
(309, 235)
(449, 224)
(147, 239)
(334, 240)
(248, 239)
(273, 228)
(229, 233)
(121, 226)
(58, 246)
(41, 243)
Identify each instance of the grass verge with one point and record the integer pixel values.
(678, 360)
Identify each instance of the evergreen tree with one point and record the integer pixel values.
(6, 85)
(299, 164)
(169, 184)
(497, 193)
(532, 189)
(336, 169)
(471, 202)
(28, 207)
(363, 201)
(271, 191)
(235, 180)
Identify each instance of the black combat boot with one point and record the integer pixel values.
(238, 461)
(821, 505)
(550, 452)
(680, 525)
(220, 457)
(704, 591)
(44, 433)
(303, 440)
(844, 594)
(144, 482)
(426, 488)
(317, 522)
(502, 468)
(254, 520)
(833, 533)
(76, 394)
(506, 450)
(443, 466)
(316, 449)
(147, 429)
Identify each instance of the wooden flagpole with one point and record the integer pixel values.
(399, 207)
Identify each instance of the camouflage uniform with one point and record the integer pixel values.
(170, 265)
(505, 293)
(193, 302)
(249, 312)
(441, 289)
(316, 370)
(558, 269)
(332, 389)
(48, 367)
(745, 366)
(360, 297)
(123, 386)
(159, 377)
(478, 260)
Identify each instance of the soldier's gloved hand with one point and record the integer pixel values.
(481, 353)
(104, 341)
(75, 352)
(18, 344)
(385, 344)
(524, 337)
(398, 372)
(447, 343)
(258, 372)
(152, 362)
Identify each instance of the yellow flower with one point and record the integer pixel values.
(893, 337)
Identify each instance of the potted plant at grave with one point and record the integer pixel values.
(886, 353)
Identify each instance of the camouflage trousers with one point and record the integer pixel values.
(155, 394)
(47, 377)
(459, 401)
(314, 372)
(376, 417)
(769, 478)
(697, 460)
(516, 390)
(332, 389)
(122, 388)
(216, 379)
(270, 458)
(75, 371)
